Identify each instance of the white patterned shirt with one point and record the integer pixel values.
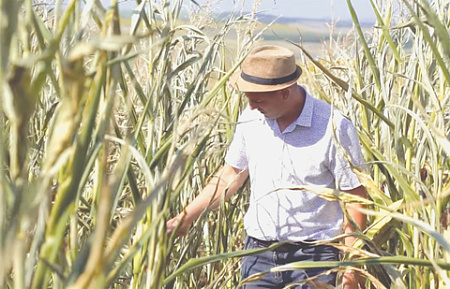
(303, 154)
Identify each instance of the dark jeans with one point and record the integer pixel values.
(264, 261)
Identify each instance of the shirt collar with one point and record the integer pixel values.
(305, 118)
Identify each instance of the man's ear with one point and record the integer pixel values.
(286, 92)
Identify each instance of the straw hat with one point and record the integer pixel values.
(267, 68)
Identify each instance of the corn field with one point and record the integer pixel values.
(109, 129)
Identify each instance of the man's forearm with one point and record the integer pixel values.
(227, 181)
(354, 212)
(358, 217)
(209, 198)
(352, 280)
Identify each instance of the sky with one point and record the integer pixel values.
(310, 9)
(315, 9)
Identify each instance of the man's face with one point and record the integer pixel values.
(270, 104)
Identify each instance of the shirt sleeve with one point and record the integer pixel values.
(236, 155)
(345, 153)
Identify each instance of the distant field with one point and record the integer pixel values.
(311, 33)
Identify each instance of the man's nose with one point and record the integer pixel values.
(253, 106)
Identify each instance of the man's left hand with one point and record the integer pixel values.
(352, 280)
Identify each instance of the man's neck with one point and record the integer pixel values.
(296, 104)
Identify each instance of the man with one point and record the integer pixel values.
(285, 138)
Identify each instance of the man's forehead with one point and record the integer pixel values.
(261, 94)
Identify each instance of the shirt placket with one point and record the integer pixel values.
(283, 156)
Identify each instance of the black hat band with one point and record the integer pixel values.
(268, 81)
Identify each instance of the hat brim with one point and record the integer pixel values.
(240, 84)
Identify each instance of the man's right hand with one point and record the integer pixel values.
(176, 221)
(227, 179)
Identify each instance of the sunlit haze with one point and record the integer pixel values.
(310, 9)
